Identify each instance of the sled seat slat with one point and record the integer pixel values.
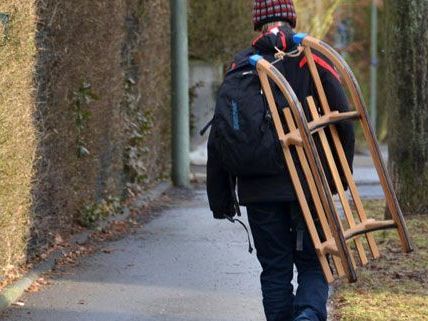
(368, 226)
(371, 225)
(332, 118)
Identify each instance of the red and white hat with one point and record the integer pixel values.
(273, 10)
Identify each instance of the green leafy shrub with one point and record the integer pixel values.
(91, 214)
(81, 100)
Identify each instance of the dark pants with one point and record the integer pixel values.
(281, 240)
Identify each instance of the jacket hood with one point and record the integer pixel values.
(279, 36)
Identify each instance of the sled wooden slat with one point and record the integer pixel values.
(338, 182)
(295, 178)
(338, 145)
(369, 225)
(314, 193)
(331, 118)
(266, 71)
(296, 132)
(293, 137)
(357, 99)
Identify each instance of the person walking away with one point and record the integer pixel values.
(279, 232)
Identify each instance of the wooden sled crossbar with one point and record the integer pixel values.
(333, 245)
(334, 117)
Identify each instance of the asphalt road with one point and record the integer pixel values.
(182, 265)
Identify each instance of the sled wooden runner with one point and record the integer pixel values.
(338, 234)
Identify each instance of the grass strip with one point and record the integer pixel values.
(393, 288)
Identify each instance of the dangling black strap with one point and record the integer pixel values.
(208, 125)
(234, 197)
(232, 181)
(234, 220)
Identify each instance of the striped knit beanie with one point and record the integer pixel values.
(266, 11)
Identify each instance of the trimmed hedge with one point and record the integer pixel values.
(18, 134)
(84, 113)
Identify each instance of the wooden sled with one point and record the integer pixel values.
(337, 237)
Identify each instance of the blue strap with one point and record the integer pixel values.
(254, 59)
(298, 38)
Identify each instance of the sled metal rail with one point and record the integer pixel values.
(300, 136)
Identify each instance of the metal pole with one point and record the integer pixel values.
(373, 66)
(180, 94)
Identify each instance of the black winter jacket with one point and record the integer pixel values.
(279, 187)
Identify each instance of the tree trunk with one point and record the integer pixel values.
(406, 33)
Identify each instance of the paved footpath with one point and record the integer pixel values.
(183, 265)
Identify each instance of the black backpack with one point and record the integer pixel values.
(242, 129)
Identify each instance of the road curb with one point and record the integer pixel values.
(14, 291)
